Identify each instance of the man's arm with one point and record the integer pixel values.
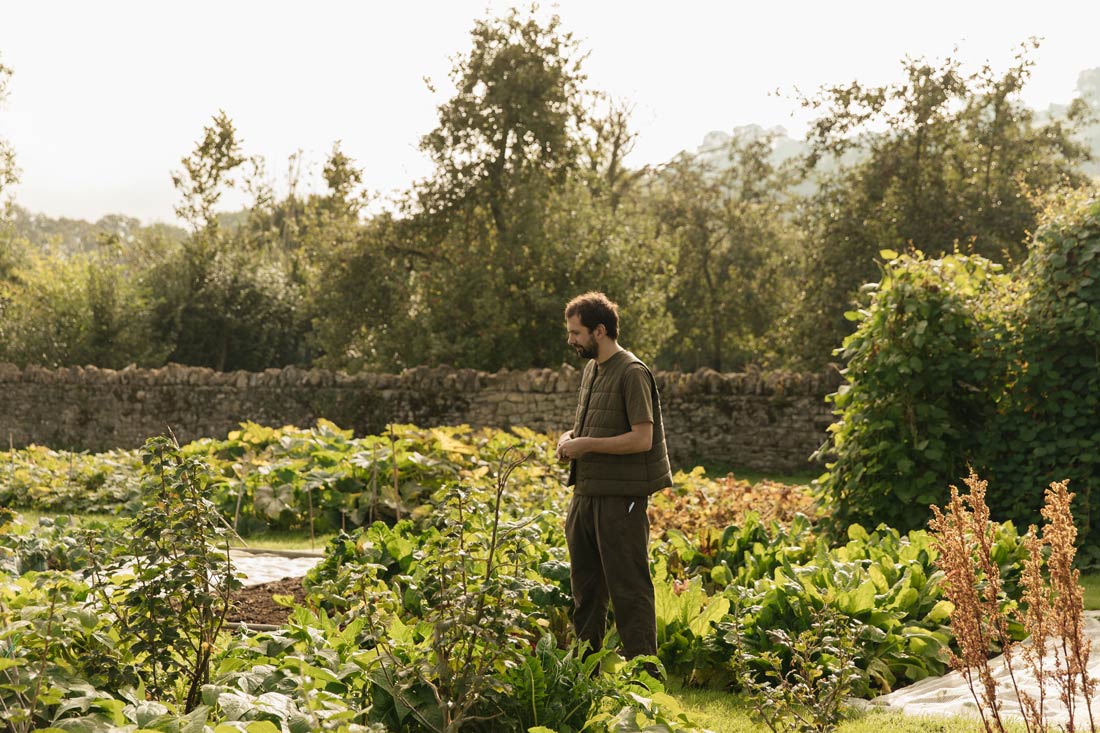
(638, 440)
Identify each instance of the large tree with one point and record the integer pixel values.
(224, 299)
(9, 173)
(946, 159)
(725, 222)
(491, 275)
(10, 247)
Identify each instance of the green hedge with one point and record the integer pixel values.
(956, 363)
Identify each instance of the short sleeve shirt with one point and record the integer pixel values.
(639, 394)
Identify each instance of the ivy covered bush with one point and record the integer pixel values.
(957, 363)
(921, 385)
(1048, 427)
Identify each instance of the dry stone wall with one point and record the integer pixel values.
(767, 421)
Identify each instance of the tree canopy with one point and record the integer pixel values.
(746, 251)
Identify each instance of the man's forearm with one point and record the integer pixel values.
(632, 442)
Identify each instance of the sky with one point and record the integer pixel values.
(107, 97)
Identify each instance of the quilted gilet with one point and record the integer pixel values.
(601, 413)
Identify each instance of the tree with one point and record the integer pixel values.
(11, 247)
(9, 173)
(947, 160)
(725, 217)
(491, 277)
(224, 299)
(207, 172)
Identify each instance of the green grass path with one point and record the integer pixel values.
(724, 712)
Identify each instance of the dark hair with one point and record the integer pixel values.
(593, 309)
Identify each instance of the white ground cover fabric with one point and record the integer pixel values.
(264, 568)
(950, 695)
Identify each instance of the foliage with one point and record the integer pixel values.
(507, 145)
(40, 478)
(726, 217)
(719, 258)
(465, 601)
(923, 380)
(699, 506)
(273, 478)
(9, 173)
(169, 589)
(882, 580)
(54, 654)
(1047, 426)
(807, 692)
(86, 309)
(954, 363)
(325, 478)
(223, 299)
(464, 616)
(56, 544)
(363, 296)
(963, 164)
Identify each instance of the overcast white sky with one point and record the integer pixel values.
(108, 96)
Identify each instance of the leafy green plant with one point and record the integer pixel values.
(955, 363)
(64, 481)
(1047, 425)
(559, 689)
(435, 669)
(169, 588)
(686, 615)
(806, 690)
(921, 385)
(59, 660)
(885, 581)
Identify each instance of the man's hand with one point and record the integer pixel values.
(574, 448)
(565, 437)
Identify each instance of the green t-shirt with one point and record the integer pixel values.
(638, 394)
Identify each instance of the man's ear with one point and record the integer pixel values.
(599, 330)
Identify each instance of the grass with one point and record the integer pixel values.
(1091, 584)
(724, 712)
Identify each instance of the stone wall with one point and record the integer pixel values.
(758, 420)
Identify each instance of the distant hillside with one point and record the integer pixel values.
(68, 236)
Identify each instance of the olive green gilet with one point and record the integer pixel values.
(601, 413)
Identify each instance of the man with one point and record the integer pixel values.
(618, 458)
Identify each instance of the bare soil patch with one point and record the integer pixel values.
(254, 604)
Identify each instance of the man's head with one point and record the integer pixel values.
(591, 320)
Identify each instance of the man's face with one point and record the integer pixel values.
(581, 339)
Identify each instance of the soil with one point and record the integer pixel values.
(254, 605)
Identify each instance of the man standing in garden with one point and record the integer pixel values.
(617, 459)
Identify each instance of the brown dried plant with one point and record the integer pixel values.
(1035, 616)
(1051, 611)
(1067, 605)
(963, 538)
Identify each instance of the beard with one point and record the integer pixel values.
(587, 351)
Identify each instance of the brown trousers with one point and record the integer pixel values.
(608, 538)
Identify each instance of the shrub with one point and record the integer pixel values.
(921, 386)
(954, 363)
(1047, 426)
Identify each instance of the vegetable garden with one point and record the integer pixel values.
(442, 603)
